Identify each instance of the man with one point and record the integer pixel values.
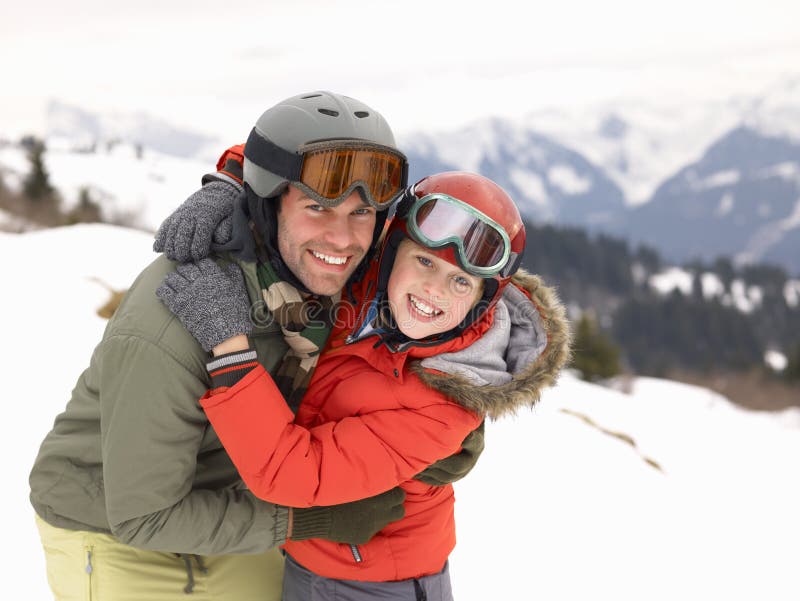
(135, 496)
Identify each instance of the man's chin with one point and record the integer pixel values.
(325, 285)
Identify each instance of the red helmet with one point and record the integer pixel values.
(469, 221)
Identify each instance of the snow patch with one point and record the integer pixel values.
(775, 360)
(789, 171)
(639, 273)
(674, 278)
(725, 205)
(793, 220)
(531, 184)
(728, 177)
(791, 292)
(565, 178)
(745, 298)
(711, 285)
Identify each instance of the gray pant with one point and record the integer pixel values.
(299, 584)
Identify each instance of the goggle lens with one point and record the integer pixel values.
(441, 219)
(331, 172)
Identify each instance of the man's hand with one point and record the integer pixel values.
(210, 301)
(352, 523)
(453, 468)
(202, 220)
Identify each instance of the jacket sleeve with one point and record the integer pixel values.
(151, 434)
(335, 462)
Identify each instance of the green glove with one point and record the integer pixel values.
(453, 468)
(353, 523)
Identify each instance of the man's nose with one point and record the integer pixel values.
(338, 232)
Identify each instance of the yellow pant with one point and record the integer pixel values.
(89, 566)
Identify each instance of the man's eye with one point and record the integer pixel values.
(364, 211)
(316, 208)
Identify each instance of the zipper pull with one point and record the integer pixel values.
(88, 562)
(356, 554)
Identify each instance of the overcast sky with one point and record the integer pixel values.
(424, 64)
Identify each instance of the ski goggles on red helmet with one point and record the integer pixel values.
(482, 246)
(329, 171)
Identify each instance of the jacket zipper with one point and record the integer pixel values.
(356, 553)
(89, 570)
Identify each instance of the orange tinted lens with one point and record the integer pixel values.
(331, 172)
(384, 176)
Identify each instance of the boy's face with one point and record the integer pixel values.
(427, 294)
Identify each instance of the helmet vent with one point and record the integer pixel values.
(310, 96)
(329, 112)
(361, 114)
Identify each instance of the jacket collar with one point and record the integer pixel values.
(528, 378)
(356, 335)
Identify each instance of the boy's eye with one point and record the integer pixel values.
(424, 261)
(462, 283)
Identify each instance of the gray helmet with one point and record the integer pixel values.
(305, 119)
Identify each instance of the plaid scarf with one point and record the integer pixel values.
(306, 323)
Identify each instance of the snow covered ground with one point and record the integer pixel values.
(140, 189)
(698, 502)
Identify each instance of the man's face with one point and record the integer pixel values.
(322, 246)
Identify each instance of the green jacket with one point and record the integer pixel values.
(133, 453)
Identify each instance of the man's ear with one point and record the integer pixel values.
(279, 200)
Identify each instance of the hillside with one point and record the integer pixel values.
(665, 491)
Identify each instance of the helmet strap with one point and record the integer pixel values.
(264, 217)
(403, 206)
(363, 267)
(263, 152)
(490, 286)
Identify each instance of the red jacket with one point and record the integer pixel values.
(368, 423)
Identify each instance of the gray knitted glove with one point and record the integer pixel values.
(210, 301)
(202, 220)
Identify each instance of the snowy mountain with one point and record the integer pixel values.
(549, 181)
(698, 181)
(638, 144)
(653, 490)
(740, 199)
(85, 130)
(702, 180)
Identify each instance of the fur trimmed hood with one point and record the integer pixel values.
(508, 368)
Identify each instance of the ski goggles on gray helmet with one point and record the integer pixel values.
(329, 171)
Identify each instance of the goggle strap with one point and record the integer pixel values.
(511, 266)
(268, 155)
(404, 205)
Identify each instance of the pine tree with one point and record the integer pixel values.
(87, 210)
(37, 183)
(792, 371)
(595, 355)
